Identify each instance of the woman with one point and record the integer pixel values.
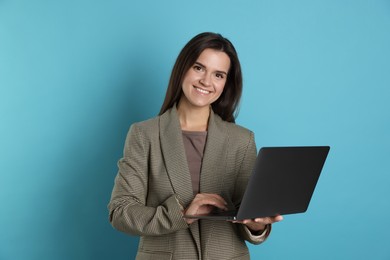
(189, 160)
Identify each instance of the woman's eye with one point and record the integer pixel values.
(198, 68)
(219, 75)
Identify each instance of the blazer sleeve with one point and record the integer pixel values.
(127, 208)
(241, 183)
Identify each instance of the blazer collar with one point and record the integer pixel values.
(176, 161)
(213, 165)
(174, 156)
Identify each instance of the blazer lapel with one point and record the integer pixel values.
(214, 156)
(174, 156)
(175, 159)
(213, 168)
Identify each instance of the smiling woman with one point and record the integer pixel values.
(189, 57)
(75, 74)
(190, 159)
(202, 85)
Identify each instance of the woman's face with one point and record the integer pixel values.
(205, 80)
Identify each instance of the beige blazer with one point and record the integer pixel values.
(153, 185)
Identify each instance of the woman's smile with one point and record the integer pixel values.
(204, 82)
(202, 91)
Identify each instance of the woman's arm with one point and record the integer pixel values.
(127, 209)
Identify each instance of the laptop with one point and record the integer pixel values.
(282, 182)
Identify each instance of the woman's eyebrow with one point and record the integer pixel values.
(203, 66)
(200, 64)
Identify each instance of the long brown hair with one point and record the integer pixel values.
(227, 104)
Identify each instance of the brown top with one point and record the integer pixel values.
(194, 143)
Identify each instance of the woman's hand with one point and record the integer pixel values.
(258, 224)
(204, 203)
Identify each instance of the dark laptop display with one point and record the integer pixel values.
(282, 182)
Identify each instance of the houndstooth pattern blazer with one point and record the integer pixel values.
(153, 185)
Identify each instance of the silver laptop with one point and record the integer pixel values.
(282, 182)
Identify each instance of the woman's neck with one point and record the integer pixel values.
(193, 118)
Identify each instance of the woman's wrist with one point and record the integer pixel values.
(258, 229)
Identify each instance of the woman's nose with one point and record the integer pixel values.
(206, 80)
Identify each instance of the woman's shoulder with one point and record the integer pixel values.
(241, 135)
(145, 126)
(240, 128)
(234, 128)
(147, 123)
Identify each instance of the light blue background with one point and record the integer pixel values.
(75, 74)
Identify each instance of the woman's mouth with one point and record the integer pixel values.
(202, 90)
